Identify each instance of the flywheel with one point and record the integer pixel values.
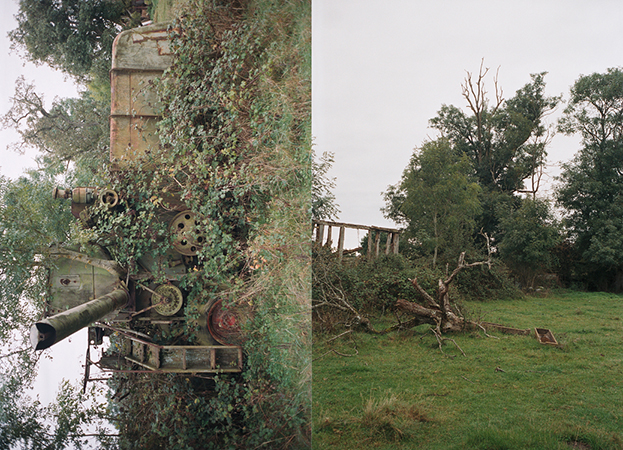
(168, 299)
(184, 233)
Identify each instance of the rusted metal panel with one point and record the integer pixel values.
(139, 57)
(143, 48)
(72, 283)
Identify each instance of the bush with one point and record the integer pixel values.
(373, 286)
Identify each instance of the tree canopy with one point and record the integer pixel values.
(529, 234)
(591, 185)
(74, 36)
(323, 203)
(470, 180)
(30, 222)
(436, 200)
(72, 129)
(506, 139)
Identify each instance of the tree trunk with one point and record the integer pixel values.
(439, 312)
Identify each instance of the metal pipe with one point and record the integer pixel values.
(53, 329)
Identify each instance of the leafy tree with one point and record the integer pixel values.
(72, 35)
(505, 141)
(25, 423)
(30, 221)
(323, 200)
(436, 200)
(72, 129)
(529, 234)
(20, 420)
(591, 188)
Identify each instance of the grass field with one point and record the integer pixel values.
(399, 391)
(164, 10)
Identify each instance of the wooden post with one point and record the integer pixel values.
(396, 238)
(328, 243)
(340, 244)
(369, 243)
(388, 243)
(319, 234)
(377, 243)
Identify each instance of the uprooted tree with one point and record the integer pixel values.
(440, 312)
(436, 310)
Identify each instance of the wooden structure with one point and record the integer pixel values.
(374, 237)
(137, 353)
(183, 358)
(545, 336)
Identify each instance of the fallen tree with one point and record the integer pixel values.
(436, 310)
(440, 312)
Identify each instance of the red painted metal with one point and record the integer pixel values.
(223, 324)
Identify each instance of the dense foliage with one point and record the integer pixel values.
(436, 201)
(468, 183)
(75, 36)
(323, 202)
(590, 185)
(236, 149)
(530, 233)
(505, 140)
(31, 223)
(71, 130)
(372, 286)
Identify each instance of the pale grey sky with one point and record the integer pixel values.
(381, 70)
(49, 82)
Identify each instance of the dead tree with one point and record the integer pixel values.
(439, 312)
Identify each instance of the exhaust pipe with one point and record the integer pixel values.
(53, 329)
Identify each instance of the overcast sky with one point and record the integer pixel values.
(64, 360)
(381, 70)
(48, 82)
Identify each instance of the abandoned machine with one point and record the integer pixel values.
(93, 291)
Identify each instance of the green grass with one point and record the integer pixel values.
(401, 392)
(164, 10)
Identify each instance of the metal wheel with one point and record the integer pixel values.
(172, 298)
(183, 230)
(223, 324)
(109, 198)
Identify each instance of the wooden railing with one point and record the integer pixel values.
(374, 237)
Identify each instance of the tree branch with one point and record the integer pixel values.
(429, 300)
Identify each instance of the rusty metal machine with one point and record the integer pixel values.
(93, 290)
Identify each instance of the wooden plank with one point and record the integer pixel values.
(356, 226)
(183, 358)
